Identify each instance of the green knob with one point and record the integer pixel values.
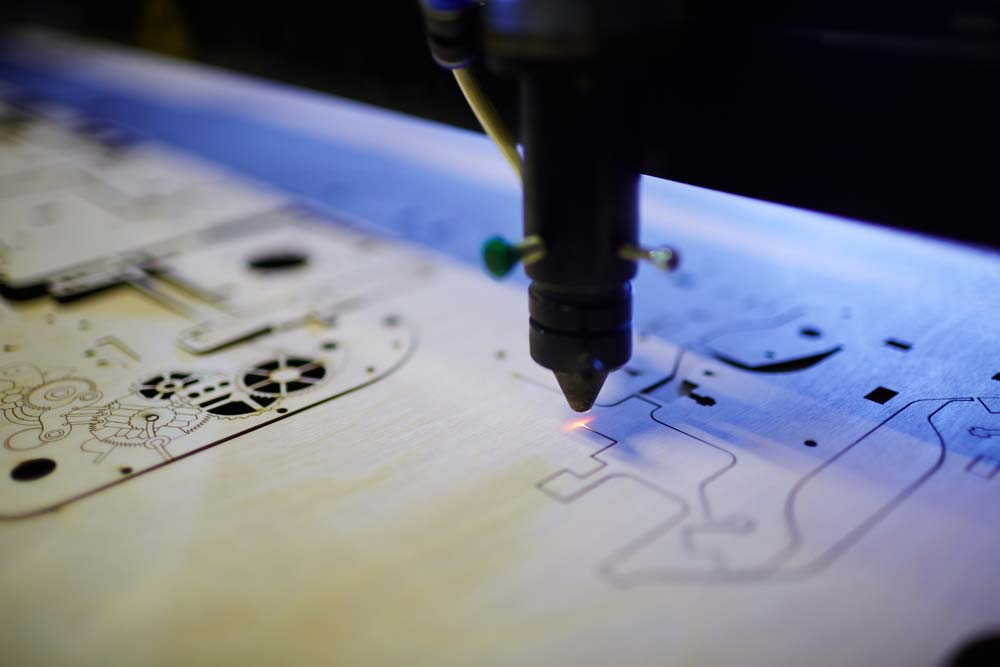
(500, 256)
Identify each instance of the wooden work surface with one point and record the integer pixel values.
(279, 438)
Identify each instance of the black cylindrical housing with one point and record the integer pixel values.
(581, 187)
(581, 177)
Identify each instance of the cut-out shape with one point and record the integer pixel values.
(163, 387)
(881, 395)
(779, 344)
(32, 469)
(283, 376)
(687, 388)
(279, 260)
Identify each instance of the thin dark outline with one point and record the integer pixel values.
(765, 574)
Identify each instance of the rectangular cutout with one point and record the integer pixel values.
(898, 344)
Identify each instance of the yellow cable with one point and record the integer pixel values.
(488, 117)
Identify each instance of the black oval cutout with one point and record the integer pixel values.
(32, 469)
(279, 260)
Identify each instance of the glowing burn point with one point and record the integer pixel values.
(577, 423)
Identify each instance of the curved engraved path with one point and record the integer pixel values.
(726, 519)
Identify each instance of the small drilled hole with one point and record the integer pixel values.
(125, 470)
(330, 345)
(809, 443)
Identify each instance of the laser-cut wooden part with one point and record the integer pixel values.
(94, 424)
(66, 205)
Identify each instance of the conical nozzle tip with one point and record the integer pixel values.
(581, 387)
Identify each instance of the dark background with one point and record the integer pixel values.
(373, 51)
(881, 110)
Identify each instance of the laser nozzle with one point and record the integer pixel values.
(581, 387)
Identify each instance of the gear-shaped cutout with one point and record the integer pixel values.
(284, 376)
(129, 425)
(165, 386)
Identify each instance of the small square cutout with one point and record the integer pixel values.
(881, 395)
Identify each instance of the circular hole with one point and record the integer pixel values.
(32, 469)
(330, 345)
(501, 354)
(224, 383)
(769, 354)
(279, 260)
(709, 373)
(370, 370)
(810, 332)
(281, 411)
(125, 470)
(809, 443)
